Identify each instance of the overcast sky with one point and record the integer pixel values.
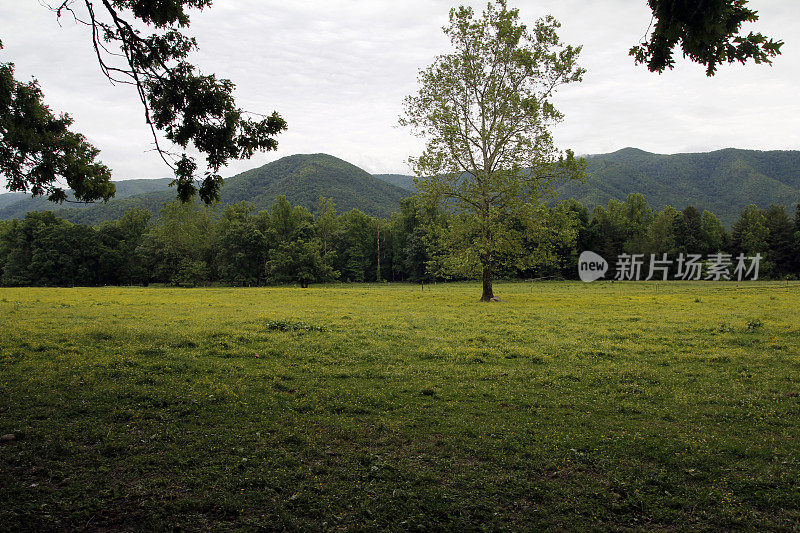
(338, 71)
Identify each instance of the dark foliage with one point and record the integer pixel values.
(707, 32)
(38, 152)
(187, 107)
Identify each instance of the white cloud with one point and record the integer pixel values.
(338, 71)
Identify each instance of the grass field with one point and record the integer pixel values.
(361, 407)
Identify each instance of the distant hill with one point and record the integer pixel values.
(11, 198)
(16, 204)
(301, 178)
(399, 180)
(304, 178)
(724, 182)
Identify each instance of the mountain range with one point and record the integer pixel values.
(302, 178)
(723, 182)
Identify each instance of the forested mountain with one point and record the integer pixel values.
(11, 198)
(723, 182)
(15, 204)
(401, 180)
(302, 178)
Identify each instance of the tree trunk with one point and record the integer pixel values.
(488, 294)
(378, 272)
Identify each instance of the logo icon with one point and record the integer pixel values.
(591, 266)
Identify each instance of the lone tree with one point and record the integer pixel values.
(485, 111)
(187, 107)
(708, 33)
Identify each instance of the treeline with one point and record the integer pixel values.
(632, 227)
(189, 244)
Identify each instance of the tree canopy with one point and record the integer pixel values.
(191, 109)
(37, 147)
(707, 32)
(486, 111)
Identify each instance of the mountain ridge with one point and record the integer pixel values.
(302, 178)
(722, 181)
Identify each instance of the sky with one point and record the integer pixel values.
(338, 71)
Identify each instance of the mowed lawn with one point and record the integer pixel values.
(374, 407)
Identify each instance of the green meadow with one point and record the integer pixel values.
(386, 407)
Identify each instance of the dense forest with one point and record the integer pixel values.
(191, 244)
